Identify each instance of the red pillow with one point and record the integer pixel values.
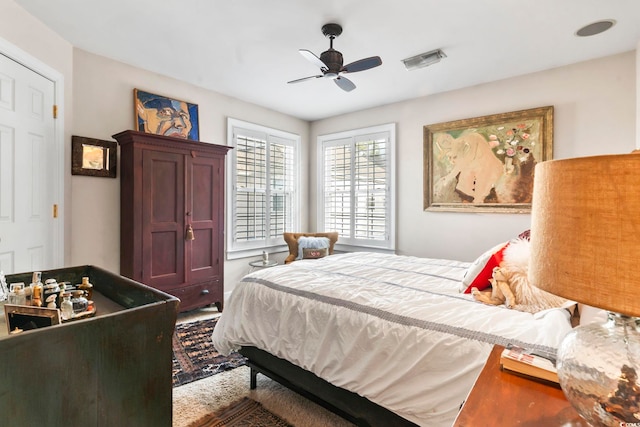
(479, 273)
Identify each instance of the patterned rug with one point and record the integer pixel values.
(194, 356)
(243, 413)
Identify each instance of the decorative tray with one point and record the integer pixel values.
(83, 314)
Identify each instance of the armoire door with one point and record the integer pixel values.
(163, 219)
(203, 213)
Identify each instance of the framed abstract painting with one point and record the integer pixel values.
(485, 164)
(160, 115)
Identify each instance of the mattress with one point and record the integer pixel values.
(394, 329)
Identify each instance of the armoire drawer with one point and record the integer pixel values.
(199, 295)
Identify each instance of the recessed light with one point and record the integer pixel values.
(595, 28)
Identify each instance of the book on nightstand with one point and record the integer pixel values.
(530, 364)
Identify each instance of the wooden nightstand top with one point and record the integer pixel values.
(503, 399)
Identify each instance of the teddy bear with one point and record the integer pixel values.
(500, 290)
(510, 284)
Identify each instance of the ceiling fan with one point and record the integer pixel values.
(330, 61)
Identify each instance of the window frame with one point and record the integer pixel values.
(236, 249)
(353, 137)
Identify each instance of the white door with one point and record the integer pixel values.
(27, 169)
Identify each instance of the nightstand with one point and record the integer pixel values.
(504, 399)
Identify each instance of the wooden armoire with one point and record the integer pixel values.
(172, 216)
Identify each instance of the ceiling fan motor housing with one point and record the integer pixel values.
(333, 60)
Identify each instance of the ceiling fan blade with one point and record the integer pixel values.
(306, 78)
(345, 84)
(311, 57)
(362, 64)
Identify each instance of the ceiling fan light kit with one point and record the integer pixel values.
(330, 62)
(423, 60)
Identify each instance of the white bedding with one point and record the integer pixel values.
(394, 329)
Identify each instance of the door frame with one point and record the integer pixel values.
(23, 58)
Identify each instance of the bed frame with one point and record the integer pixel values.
(350, 406)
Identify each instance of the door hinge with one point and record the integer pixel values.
(55, 111)
(55, 210)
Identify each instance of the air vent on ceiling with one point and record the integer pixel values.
(424, 59)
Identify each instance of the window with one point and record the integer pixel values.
(356, 186)
(263, 187)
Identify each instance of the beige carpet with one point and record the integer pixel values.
(194, 400)
(199, 398)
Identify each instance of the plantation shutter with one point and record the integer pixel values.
(337, 188)
(282, 186)
(371, 180)
(263, 187)
(357, 197)
(251, 181)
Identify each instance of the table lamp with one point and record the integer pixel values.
(585, 246)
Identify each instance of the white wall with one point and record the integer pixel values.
(595, 113)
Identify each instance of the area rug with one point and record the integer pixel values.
(243, 413)
(194, 356)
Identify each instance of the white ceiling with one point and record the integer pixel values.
(248, 49)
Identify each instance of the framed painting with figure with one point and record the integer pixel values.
(485, 164)
(93, 157)
(160, 115)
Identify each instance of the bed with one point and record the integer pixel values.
(374, 336)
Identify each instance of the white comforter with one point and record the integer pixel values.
(394, 329)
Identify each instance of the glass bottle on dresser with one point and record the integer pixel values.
(66, 306)
(79, 302)
(17, 295)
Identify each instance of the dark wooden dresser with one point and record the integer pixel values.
(172, 216)
(113, 369)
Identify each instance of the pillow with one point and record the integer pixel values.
(516, 256)
(589, 314)
(292, 242)
(308, 253)
(308, 242)
(479, 273)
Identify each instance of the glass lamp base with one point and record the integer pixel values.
(598, 367)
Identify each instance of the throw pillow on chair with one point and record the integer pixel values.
(296, 250)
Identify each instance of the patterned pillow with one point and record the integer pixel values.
(308, 253)
(479, 273)
(305, 242)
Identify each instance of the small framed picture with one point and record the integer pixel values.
(93, 157)
(23, 318)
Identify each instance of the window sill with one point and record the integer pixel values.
(247, 253)
(355, 248)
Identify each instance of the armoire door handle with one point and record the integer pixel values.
(189, 234)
